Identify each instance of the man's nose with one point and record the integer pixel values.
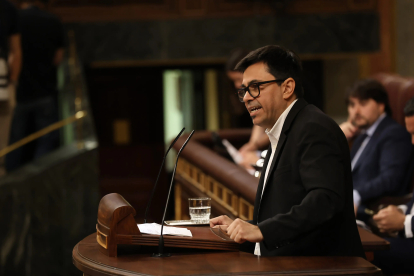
(354, 109)
(247, 98)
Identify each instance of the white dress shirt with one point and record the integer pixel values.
(407, 221)
(274, 135)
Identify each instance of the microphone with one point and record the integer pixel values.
(161, 241)
(159, 173)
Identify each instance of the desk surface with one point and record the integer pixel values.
(371, 242)
(88, 258)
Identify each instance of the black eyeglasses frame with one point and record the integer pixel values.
(243, 90)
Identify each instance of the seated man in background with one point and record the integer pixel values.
(381, 151)
(398, 219)
(258, 139)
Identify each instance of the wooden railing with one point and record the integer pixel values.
(202, 172)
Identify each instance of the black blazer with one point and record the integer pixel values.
(307, 205)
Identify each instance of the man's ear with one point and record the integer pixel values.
(382, 107)
(288, 87)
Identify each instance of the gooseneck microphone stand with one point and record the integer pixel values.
(159, 173)
(161, 241)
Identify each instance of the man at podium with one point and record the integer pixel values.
(304, 203)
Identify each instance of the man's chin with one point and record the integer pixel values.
(362, 126)
(254, 120)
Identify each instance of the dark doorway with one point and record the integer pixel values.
(313, 82)
(131, 98)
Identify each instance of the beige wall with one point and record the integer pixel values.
(338, 75)
(404, 29)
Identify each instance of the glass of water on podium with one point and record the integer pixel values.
(200, 209)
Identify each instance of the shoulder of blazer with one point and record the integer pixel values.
(386, 123)
(297, 107)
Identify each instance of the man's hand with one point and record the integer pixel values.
(349, 129)
(248, 147)
(241, 231)
(249, 158)
(390, 219)
(221, 220)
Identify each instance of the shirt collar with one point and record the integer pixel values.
(370, 131)
(274, 133)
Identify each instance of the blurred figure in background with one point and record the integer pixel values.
(36, 95)
(241, 116)
(381, 151)
(10, 50)
(398, 220)
(10, 64)
(258, 139)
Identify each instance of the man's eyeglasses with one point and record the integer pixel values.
(254, 89)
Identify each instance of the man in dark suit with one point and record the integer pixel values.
(381, 150)
(303, 204)
(393, 220)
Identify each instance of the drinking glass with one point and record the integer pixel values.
(200, 209)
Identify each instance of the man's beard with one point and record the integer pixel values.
(361, 125)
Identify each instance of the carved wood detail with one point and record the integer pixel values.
(226, 198)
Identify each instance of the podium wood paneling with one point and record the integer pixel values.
(116, 226)
(139, 261)
(202, 172)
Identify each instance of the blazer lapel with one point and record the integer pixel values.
(410, 206)
(301, 103)
(279, 147)
(356, 145)
(260, 186)
(372, 142)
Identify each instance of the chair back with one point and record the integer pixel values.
(400, 90)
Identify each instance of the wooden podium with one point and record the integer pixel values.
(207, 252)
(118, 247)
(116, 225)
(138, 260)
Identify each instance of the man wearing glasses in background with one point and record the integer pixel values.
(303, 204)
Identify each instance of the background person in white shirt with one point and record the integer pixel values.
(400, 259)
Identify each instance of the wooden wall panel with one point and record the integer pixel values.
(121, 10)
(383, 60)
